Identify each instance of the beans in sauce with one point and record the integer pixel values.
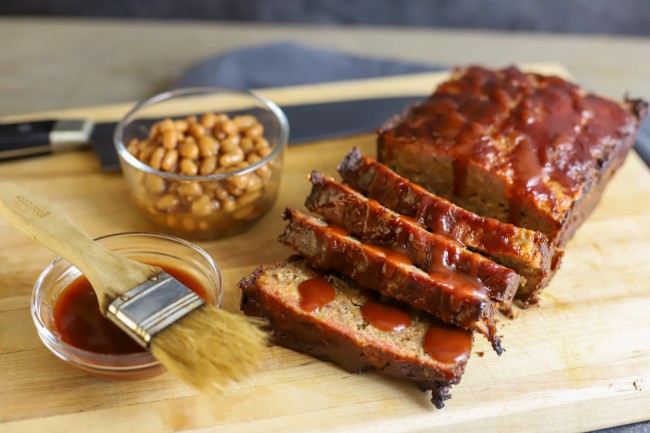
(201, 146)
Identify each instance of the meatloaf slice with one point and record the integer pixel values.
(528, 252)
(535, 151)
(371, 222)
(343, 329)
(451, 297)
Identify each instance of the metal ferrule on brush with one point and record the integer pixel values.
(149, 308)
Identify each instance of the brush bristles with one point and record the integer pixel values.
(210, 348)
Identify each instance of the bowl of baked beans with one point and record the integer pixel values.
(203, 162)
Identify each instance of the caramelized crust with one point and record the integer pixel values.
(339, 333)
(450, 297)
(524, 148)
(371, 222)
(528, 252)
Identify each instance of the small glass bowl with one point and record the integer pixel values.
(208, 206)
(147, 247)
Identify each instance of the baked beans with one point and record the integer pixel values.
(203, 145)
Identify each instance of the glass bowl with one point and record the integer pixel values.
(192, 194)
(158, 249)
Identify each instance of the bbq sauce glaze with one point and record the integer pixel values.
(417, 205)
(78, 320)
(444, 343)
(384, 316)
(392, 254)
(315, 293)
(535, 131)
(448, 344)
(465, 285)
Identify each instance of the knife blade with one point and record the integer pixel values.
(307, 123)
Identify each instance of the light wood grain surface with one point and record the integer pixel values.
(580, 361)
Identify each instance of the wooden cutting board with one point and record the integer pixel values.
(580, 361)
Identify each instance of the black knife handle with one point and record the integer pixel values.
(25, 138)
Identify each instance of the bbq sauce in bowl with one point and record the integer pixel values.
(61, 283)
(79, 322)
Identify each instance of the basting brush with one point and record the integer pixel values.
(205, 346)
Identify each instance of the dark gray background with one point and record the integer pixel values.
(623, 17)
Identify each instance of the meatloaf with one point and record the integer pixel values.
(528, 252)
(532, 150)
(451, 297)
(331, 318)
(371, 222)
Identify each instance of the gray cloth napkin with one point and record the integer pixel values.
(287, 64)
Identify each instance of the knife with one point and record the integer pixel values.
(308, 122)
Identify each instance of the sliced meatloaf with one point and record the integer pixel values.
(527, 252)
(371, 222)
(331, 318)
(451, 297)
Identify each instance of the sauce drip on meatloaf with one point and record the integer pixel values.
(427, 352)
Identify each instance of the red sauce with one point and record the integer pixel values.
(80, 324)
(447, 344)
(385, 317)
(315, 293)
(391, 254)
(410, 220)
(465, 286)
(339, 230)
(379, 186)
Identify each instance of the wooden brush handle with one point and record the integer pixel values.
(110, 274)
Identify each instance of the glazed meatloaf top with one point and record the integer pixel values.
(543, 136)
